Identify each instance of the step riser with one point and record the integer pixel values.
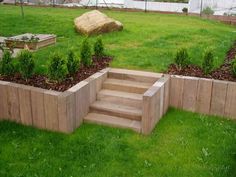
(117, 114)
(131, 77)
(129, 89)
(111, 125)
(120, 100)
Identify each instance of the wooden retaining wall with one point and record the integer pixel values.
(64, 111)
(46, 109)
(155, 104)
(206, 96)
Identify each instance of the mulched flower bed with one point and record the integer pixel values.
(222, 73)
(43, 82)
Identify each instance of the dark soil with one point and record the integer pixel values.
(222, 73)
(43, 82)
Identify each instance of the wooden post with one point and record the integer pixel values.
(219, 91)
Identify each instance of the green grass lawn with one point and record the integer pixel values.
(148, 42)
(182, 145)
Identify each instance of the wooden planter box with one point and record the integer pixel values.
(19, 41)
(47, 109)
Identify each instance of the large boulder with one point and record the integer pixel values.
(95, 22)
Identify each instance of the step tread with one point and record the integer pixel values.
(134, 96)
(128, 83)
(136, 73)
(113, 121)
(117, 108)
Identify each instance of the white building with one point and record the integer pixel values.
(219, 6)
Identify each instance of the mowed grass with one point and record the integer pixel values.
(183, 144)
(149, 41)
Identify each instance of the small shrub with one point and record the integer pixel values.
(72, 63)
(6, 65)
(57, 70)
(26, 64)
(182, 58)
(208, 60)
(86, 54)
(234, 67)
(208, 11)
(99, 48)
(185, 10)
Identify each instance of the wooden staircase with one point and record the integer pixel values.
(119, 103)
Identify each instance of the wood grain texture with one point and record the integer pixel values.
(51, 110)
(176, 91)
(25, 105)
(4, 112)
(204, 96)
(37, 106)
(82, 96)
(219, 91)
(230, 105)
(13, 102)
(66, 112)
(190, 93)
(151, 109)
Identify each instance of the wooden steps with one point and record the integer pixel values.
(117, 97)
(139, 76)
(116, 110)
(113, 121)
(119, 102)
(126, 85)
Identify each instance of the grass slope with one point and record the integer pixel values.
(183, 144)
(148, 42)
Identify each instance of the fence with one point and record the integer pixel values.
(155, 6)
(220, 7)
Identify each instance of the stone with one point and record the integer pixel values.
(95, 22)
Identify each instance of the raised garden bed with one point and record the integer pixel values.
(42, 81)
(224, 72)
(33, 41)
